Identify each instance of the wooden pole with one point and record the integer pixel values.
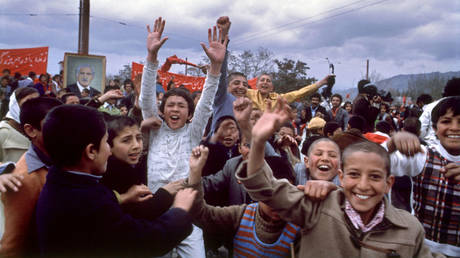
(83, 28)
(367, 69)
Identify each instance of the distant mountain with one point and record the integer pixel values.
(398, 82)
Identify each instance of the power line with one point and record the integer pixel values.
(267, 33)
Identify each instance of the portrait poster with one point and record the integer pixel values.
(84, 70)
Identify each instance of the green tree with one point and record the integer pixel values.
(290, 75)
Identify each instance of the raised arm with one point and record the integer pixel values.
(216, 54)
(147, 98)
(266, 126)
(305, 91)
(223, 24)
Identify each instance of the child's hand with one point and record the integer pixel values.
(271, 120)
(174, 187)
(151, 123)
(154, 40)
(223, 23)
(136, 193)
(10, 181)
(317, 190)
(452, 170)
(197, 162)
(216, 50)
(404, 142)
(184, 199)
(242, 109)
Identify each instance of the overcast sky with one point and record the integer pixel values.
(398, 37)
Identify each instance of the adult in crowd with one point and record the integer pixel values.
(84, 75)
(337, 113)
(315, 108)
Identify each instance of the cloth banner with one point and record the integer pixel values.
(24, 60)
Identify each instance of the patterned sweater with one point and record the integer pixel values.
(169, 150)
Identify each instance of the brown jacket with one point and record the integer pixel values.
(326, 231)
(19, 210)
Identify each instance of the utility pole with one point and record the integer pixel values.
(83, 28)
(186, 66)
(367, 69)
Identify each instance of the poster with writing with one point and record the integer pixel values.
(24, 60)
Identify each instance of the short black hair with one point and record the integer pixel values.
(32, 74)
(452, 88)
(85, 90)
(425, 99)
(24, 92)
(361, 84)
(67, 95)
(308, 142)
(368, 147)
(336, 95)
(384, 127)
(412, 125)
(315, 95)
(128, 81)
(222, 119)
(181, 93)
(450, 103)
(195, 94)
(235, 74)
(33, 111)
(116, 124)
(330, 127)
(357, 122)
(69, 129)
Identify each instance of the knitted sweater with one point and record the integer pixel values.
(169, 150)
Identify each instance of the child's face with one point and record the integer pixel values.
(365, 183)
(228, 133)
(127, 145)
(176, 112)
(267, 211)
(448, 132)
(124, 111)
(323, 161)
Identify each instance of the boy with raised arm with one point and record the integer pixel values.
(356, 221)
(171, 145)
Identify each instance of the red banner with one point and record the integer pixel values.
(192, 83)
(24, 60)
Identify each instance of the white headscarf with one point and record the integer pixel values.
(13, 113)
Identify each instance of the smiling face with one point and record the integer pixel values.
(448, 132)
(365, 183)
(238, 86)
(127, 145)
(323, 160)
(85, 76)
(176, 112)
(265, 85)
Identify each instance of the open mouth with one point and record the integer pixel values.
(134, 155)
(324, 167)
(174, 118)
(362, 197)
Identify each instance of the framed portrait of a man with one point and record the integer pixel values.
(84, 73)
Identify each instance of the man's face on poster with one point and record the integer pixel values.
(85, 76)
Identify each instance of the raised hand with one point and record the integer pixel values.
(271, 120)
(111, 94)
(223, 23)
(151, 123)
(216, 49)
(242, 108)
(154, 40)
(197, 162)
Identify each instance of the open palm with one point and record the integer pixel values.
(154, 40)
(216, 50)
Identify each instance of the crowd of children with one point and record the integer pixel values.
(229, 171)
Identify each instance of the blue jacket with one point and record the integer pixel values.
(78, 216)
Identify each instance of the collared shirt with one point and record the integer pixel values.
(35, 159)
(358, 222)
(313, 110)
(84, 174)
(81, 88)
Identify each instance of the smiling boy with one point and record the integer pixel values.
(435, 172)
(356, 221)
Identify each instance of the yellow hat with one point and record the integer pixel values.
(316, 123)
